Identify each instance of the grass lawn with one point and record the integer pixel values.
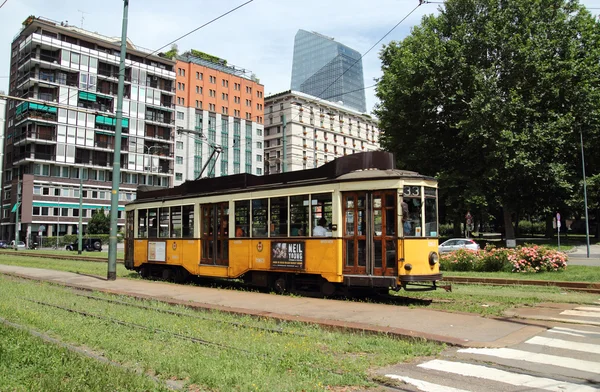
(573, 273)
(62, 252)
(305, 358)
(30, 364)
(76, 266)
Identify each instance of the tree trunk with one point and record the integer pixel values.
(598, 224)
(508, 225)
(457, 230)
(549, 228)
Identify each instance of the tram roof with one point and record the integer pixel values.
(354, 167)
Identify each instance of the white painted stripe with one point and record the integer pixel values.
(424, 385)
(488, 373)
(588, 308)
(565, 344)
(580, 314)
(566, 333)
(555, 360)
(574, 330)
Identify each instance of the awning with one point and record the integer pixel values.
(16, 206)
(87, 96)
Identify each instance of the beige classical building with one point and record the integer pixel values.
(303, 132)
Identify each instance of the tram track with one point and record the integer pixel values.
(586, 287)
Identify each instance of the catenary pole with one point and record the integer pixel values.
(80, 226)
(116, 177)
(587, 224)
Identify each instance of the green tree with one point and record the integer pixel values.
(99, 223)
(490, 96)
(173, 52)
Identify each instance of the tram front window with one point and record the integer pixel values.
(430, 213)
(411, 211)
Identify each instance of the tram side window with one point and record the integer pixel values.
(430, 213)
(242, 218)
(279, 217)
(187, 227)
(164, 222)
(153, 223)
(411, 208)
(259, 218)
(130, 223)
(176, 222)
(299, 215)
(142, 223)
(321, 208)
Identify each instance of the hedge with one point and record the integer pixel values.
(521, 259)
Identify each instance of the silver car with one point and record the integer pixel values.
(456, 244)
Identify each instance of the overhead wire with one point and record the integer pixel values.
(2, 5)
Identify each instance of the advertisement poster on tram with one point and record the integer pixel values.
(287, 255)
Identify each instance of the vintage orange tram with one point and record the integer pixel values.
(353, 222)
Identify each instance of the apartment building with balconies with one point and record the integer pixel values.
(219, 107)
(316, 132)
(62, 132)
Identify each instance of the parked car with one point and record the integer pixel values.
(88, 244)
(456, 244)
(20, 245)
(3, 244)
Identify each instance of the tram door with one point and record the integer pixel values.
(215, 234)
(369, 233)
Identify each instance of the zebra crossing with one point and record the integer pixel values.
(561, 359)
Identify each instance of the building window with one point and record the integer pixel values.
(180, 116)
(179, 160)
(225, 96)
(178, 176)
(198, 90)
(249, 89)
(224, 109)
(213, 79)
(259, 158)
(259, 132)
(212, 93)
(179, 145)
(211, 107)
(199, 104)
(259, 171)
(199, 75)
(259, 145)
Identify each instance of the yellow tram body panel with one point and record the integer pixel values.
(321, 256)
(416, 252)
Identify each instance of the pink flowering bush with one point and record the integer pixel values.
(537, 259)
(529, 258)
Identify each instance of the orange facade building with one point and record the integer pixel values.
(223, 106)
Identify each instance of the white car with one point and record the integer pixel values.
(21, 245)
(456, 244)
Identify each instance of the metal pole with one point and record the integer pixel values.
(114, 200)
(587, 224)
(80, 227)
(17, 224)
(284, 146)
(58, 218)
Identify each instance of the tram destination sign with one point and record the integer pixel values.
(289, 255)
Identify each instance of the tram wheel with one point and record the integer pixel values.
(280, 285)
(327, 288)
(145, 272)
(167, 274)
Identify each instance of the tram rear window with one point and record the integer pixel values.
(166, 222)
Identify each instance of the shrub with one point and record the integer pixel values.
(532, 258)
(537, 259)
(460, 260)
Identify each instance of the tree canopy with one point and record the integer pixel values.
(490, 97)
(99, 223)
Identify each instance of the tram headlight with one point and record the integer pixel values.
(408, 267)
(433, 258)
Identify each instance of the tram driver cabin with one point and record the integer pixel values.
(355, 222)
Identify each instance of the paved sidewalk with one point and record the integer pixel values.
(453, 328)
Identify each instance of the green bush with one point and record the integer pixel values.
(446, 230)
(70, 238)
(522, 259)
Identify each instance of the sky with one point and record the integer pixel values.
(258, 37)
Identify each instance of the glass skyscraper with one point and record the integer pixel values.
(328, 70)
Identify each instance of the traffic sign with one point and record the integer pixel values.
(558, 220)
